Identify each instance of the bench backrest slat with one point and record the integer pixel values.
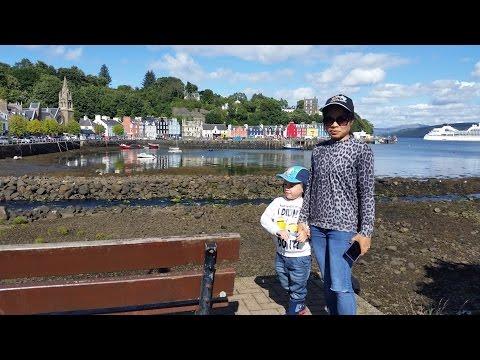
(67, 258)
(108, 293)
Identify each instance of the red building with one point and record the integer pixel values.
(291, 130)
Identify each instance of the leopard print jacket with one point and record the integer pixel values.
(339, 195)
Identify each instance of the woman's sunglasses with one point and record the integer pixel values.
(342, 120)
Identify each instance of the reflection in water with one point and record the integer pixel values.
(128, 162)
(407, 158)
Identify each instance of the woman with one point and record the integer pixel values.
(338, 206)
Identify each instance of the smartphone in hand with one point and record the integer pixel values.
(353, 252)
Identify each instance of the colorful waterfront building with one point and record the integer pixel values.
(291, 130)
(238, 131)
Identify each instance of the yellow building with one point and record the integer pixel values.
(312, 132)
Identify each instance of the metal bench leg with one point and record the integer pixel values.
(208, 278)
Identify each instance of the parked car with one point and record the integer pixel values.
(4, 140)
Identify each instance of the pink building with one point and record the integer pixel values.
(238, 131)
(131, 127)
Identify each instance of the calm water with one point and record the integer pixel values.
(408, 158)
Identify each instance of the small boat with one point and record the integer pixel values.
(146, 156)
(153, 146)
(291, 146)
(125, 147)
(174, 149)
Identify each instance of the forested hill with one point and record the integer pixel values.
(39, 82)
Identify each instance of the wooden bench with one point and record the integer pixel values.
(130, 294)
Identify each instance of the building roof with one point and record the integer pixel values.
(111, 122)
(85, 122)
(212, 126)
(87, 132)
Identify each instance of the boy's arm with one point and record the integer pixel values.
(268, 217)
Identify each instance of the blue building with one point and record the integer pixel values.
(174, 128)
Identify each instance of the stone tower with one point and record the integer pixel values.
(65, 103)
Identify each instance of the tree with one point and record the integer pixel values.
(74, 75)
(99, 129)
(215, 117)
(50, 126)
(190, 88)
(17, 125)
(34, 127)
(362, 124)
(23, 63)
(118, 130)
(73, 127)
(207, 96)
(105, 74)
(46, 91)
(301, 104)
(149, 79)
(238, 96)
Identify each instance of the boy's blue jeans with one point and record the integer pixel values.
(329, 247)
(293, 273)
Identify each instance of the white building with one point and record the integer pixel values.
(150, 128)
(212, 131)
(107, 123)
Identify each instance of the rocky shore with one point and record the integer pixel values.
(34, 188)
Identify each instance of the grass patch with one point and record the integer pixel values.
(39, 240)
(80, 233)
(101, 236)
(62, 230)
(20, 220)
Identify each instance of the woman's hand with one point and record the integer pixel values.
(303, 232)
(364, 242)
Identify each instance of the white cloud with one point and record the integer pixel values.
(361, 76)
(249, 92)
(262, 53)
(182, 65)
(390, 91)
(73, 54)
(57, 51)
(418, 113)
(355, 68)
(476, 69)
(293, 95)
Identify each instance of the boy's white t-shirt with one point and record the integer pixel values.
(282, 214)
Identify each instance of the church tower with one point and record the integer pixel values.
(65, 103)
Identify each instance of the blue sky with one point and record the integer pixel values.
(390, 85)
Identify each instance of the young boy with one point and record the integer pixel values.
(293, 260)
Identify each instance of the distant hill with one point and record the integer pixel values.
(394, 130)
(420, 132)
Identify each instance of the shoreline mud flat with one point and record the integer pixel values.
(423, 260)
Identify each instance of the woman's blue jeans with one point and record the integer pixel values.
(329, 247)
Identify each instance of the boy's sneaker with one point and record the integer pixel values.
(296, 308)
(304, 311)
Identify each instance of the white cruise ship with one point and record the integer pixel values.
(450, 133)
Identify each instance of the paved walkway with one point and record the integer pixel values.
(263, 295)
